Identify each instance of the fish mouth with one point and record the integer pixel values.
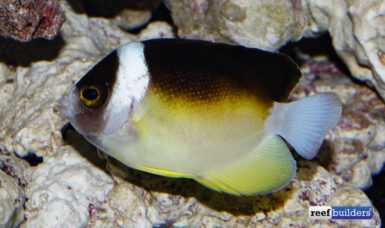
(67, 107)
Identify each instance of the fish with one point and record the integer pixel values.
(212, 112)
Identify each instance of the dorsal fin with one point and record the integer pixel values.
(271, 75)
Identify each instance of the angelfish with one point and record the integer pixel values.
(212, 112)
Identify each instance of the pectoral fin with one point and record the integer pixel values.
(268, 168)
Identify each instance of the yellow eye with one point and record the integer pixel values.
(91, 96)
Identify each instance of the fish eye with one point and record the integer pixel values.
(91, 96)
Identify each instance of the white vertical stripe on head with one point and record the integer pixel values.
(132, 78)
(130, 87)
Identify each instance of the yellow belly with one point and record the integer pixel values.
(194, 135)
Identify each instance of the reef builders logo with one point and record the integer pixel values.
(328, 212)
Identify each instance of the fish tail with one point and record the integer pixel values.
(304, 123)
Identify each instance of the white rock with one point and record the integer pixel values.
(357, 30)
(11, 202)
(63, 188)
(266, 24)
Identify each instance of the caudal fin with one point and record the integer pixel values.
(304, 123)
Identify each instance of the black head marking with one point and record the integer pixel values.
(103, 74)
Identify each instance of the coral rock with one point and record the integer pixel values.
(11, 191)
(128, 14)
(24, 20)
(62, 190)
(357, 29)
(264, 24)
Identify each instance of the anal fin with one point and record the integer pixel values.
(268, 168)
(163, 172)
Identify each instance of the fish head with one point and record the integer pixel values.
(84, 107)
(100, 104)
